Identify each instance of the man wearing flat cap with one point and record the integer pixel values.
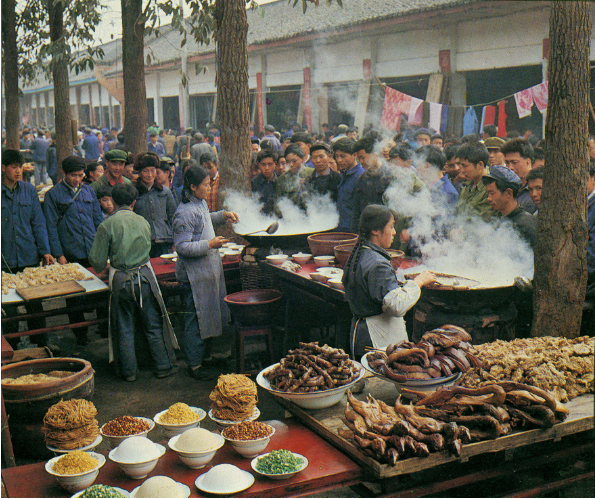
(493, 145)
(72, 214)
(502, 186)
(115, 159)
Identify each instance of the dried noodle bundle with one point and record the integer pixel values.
(70, 424)
(71, 439)
(234, 398)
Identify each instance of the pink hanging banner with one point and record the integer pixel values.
(540, 95)
(416, 111)
(390, 109)
(524, 102)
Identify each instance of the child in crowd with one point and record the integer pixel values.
(104, 195)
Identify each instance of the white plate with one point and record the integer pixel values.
(419, 384)
(312, 400)
(168, 256)
(183, 486)
(233, 488)
(330, 272)
(92, 445)
(124, 492)
(279, 476)
(229, 422)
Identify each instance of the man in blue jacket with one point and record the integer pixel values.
(90, 145)
(351, 170)
(24, 234)
(72, 215)
(39, 149)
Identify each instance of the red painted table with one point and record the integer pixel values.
(328, 469)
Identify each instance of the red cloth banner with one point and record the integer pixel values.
(390, 109)
(524, 102)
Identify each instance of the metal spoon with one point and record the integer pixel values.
(271, 229)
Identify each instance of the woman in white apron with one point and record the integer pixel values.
(376, 299)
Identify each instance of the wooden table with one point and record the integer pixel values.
(328, 469)
(325, 422)
(7, 450)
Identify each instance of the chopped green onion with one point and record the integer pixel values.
(278, 462)
(101, 491)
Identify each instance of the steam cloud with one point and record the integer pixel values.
(484, 251)
(321, 214)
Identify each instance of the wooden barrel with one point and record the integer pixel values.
(26, 405)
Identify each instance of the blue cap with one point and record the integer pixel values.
(504, 174)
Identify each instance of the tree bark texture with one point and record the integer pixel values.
(233, 101)
(10, 72)
(61, 83)
(560, 252)
(135, 93)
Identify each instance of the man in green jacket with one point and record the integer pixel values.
(115, 159)
(125, 239)
(290, 184)
(473, 198)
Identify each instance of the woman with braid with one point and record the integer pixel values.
(376, 299)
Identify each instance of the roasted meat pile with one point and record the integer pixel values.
(441, 352)
(560, 365)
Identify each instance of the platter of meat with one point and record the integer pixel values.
(311, 376)
(418, 384)
(440, 358)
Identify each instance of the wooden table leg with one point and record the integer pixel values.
(7, 451)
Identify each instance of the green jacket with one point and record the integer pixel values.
(125, 238)
(103, 180)
(473, 200)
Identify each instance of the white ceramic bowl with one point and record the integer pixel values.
(336, 283)
(185, 490)
(279, 476)
(301, 258)
(78, 481)
(420, 385)
(170, 430)
(276, 259)
(196, 460)
(124, 492)
(312, 400)
(224, 423)
(231, 254)
(140, 469)
(319, 277)
(323, 261)
(168, 256)
(250, 448)
(91, 446)
(331, 272)
(115, 441)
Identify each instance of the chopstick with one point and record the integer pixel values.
(372, 349)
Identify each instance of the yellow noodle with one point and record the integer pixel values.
(74, 462)
(234, 398)
(178, 414)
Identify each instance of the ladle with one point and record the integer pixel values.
(271, 229)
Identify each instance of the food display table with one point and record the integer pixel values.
(315, 300)
(328, 469)
(471, 465)
(95, 296)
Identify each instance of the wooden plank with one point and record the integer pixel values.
(49, 290)
(326, 422)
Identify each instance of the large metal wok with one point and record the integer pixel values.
(289, 241)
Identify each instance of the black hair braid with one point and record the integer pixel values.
(352, 263)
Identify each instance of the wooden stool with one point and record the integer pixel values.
(245, 331)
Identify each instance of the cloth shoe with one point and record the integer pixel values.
(164, 373)
(198, 373)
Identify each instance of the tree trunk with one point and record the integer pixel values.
(562, 232)
(233, 101)
(60, 56)
(135, 93)
(10, 73)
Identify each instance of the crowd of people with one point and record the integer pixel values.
(112, 205)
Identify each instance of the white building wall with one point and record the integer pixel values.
(201, 83)
(341, 61)
(283, 67)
